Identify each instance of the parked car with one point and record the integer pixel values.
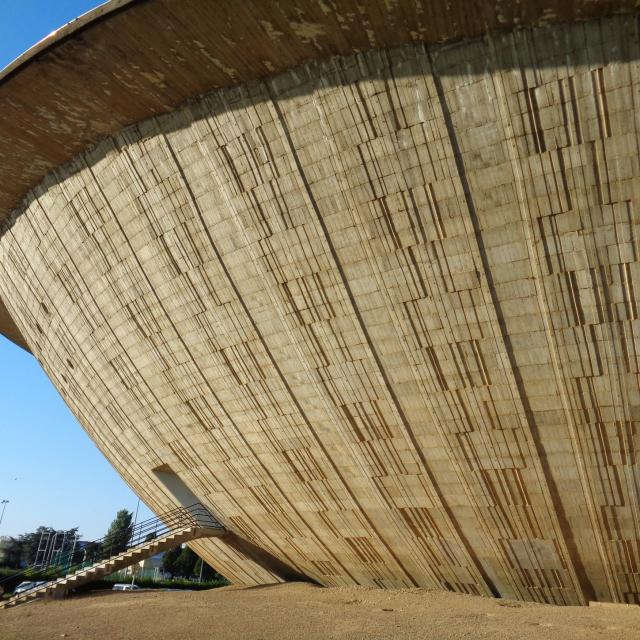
(27, 586)
(120, 586)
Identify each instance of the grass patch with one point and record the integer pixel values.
(108, 582)
(148, 583)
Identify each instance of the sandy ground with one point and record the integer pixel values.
(281, 612)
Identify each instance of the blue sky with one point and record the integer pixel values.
(50, 471)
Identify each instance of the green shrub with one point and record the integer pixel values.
(149, 583)
(108, 582)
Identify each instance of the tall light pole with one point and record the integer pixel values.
(135, 522)
(4, 504)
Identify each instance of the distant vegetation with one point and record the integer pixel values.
(149, 583)
(182, 563)
(21, 551)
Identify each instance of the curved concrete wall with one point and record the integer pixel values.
(378, 313)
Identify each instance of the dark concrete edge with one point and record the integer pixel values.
(63, 33)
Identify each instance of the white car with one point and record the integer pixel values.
(124, 587)
(26, 586)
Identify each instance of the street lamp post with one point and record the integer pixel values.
(4, 504)
(135, 522)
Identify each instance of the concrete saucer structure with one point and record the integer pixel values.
(360, 276)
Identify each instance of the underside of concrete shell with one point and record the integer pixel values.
(376, 311)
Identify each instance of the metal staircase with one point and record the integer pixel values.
(112, 553)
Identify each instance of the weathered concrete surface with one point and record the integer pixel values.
(128, 60)
(8, 327)
(378, 313)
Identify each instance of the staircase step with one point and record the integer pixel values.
(121, 560)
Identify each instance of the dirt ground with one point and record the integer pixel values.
(288, 611)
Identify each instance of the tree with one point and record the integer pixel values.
(169, 560)
(91, 553)
(10, 552)
(185, 563)
(23, 550)
(179, 562)
(119, 533)
(30, 542)
(208, 572)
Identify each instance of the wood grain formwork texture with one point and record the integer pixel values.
(378, 312)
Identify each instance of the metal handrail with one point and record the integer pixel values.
(195, 515)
